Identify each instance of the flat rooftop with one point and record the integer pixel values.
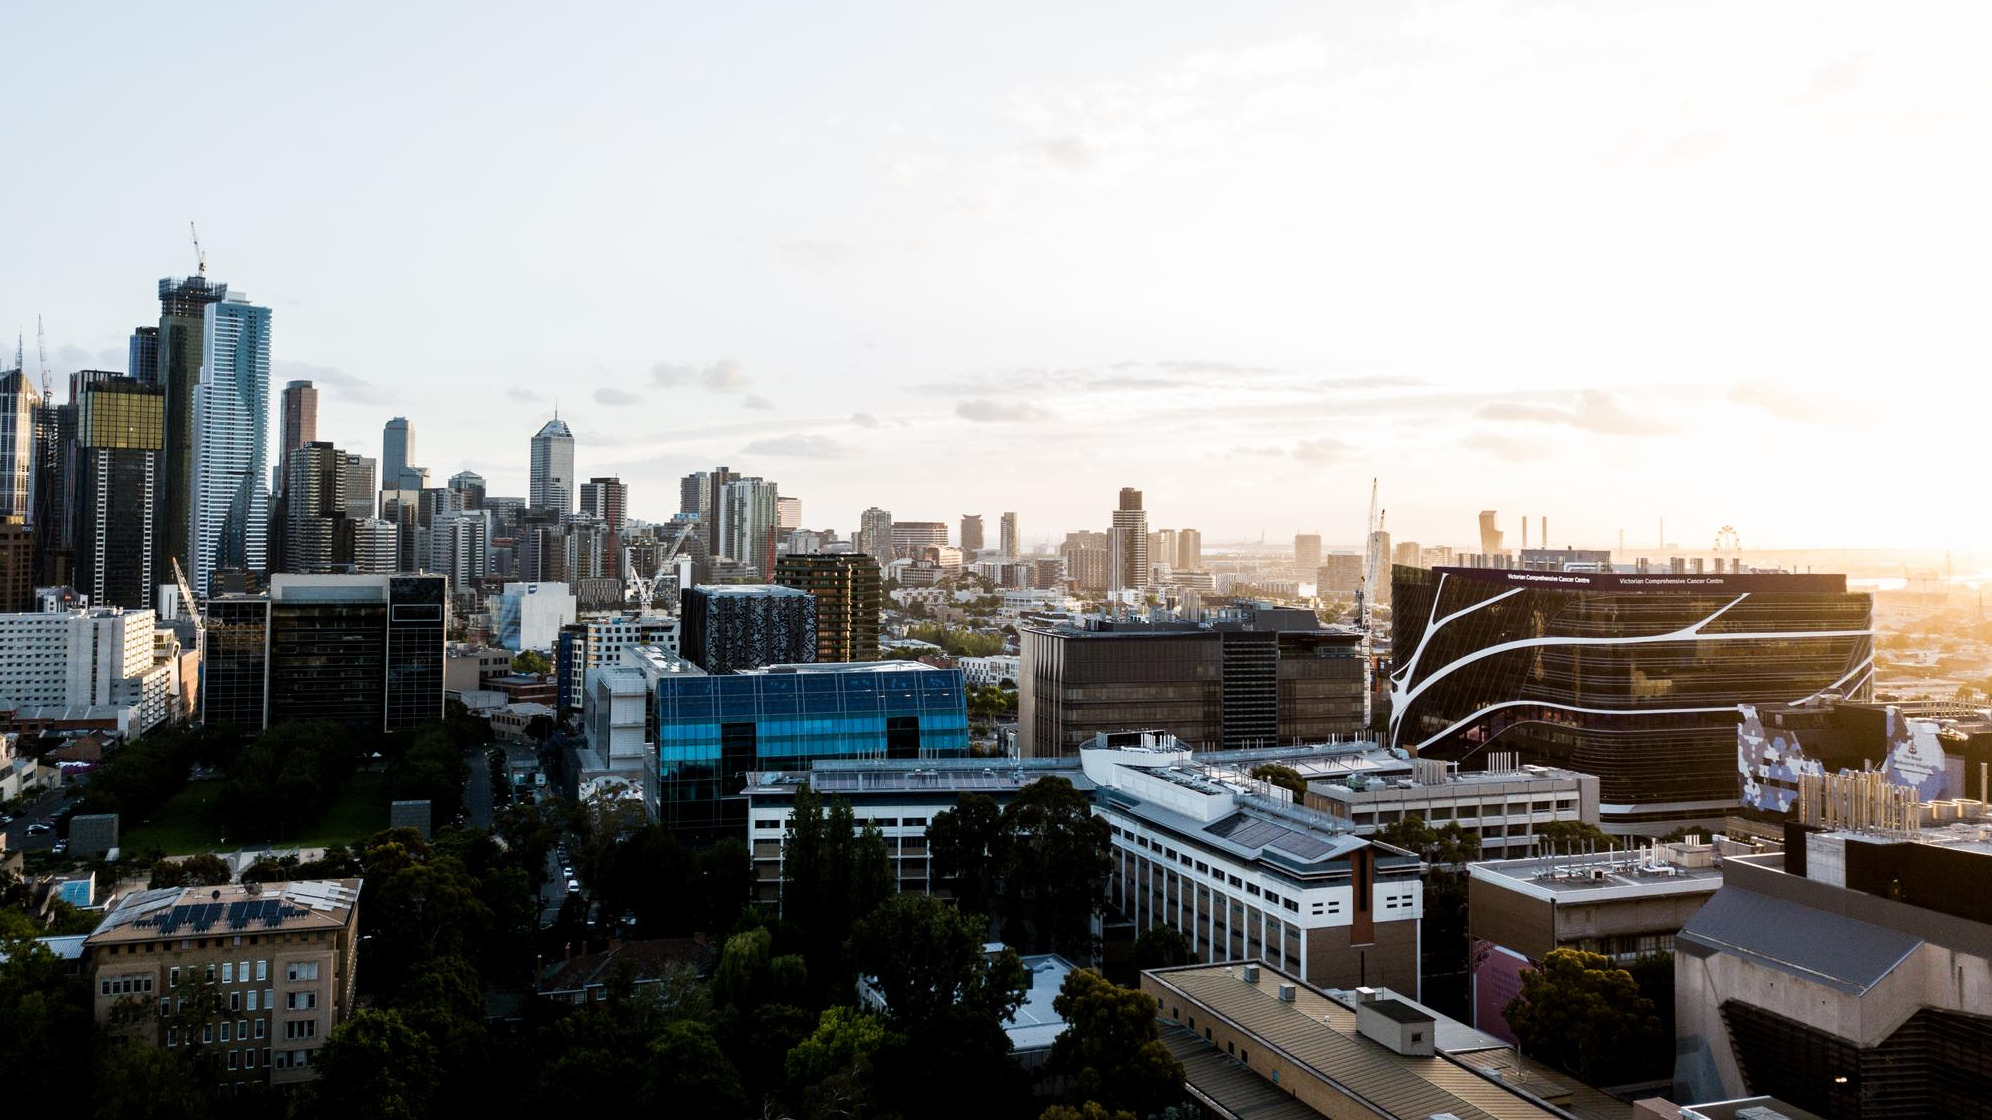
(173, 912)
(1035, 1026)
(922, 776)
(850, 668)
(1597, 876)
(1654, 583)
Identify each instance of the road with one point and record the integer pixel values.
(18, 840)
(477, 805)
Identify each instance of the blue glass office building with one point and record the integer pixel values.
(713, 731)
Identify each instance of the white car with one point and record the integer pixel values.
(573, 886)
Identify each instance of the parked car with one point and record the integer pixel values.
(61, 846)
(39, 827)
(573, 886)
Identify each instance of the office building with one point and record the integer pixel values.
(1271, 678)
(397, 457)
(1127, 545)
(530, 615)
(1849, 975)
(971, 533)
(1306, 552)
(1407, 553)
(1635, 679)
(17, 564)
(121, 437)
(747, 512)
(1341, 573)
(1503, 806)
(551, 485)
(255, 975)
(1623, 904)
(85, 657)
(228, 512)
(1189, 550)
(848, 590)
(460, 547)
(376, 547)
(617, 757)
(300, 422)
(20, 402)
(1244, 875)
(470, 485)
(142, 355)
(911, 539)
(875, 533)
(607, 500)
(788, 514)
(364, 651)
(713, 731)
(598, 642)
(179, 346)
(317, 532)
(736, 627)
(1257, 1040)
(361, 500)
(1011, 544)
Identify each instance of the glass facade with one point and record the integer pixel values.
(235, 662)
(713, 731)
(1634, 679)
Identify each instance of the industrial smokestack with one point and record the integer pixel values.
(1525, 531)
(1545, 530)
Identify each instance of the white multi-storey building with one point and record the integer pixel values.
(85, 657)
(228, 516)
(530, 615)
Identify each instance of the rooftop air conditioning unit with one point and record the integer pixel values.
(1287, 993)
(1251, 974)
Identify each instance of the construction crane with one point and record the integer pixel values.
(41, 345)
(187, 602)
(200, 258)
(1366, 593)
(642, 590)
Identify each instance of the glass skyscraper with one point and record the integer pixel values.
(228, 517)
(551, 486)
(1634, 678)
(713, 731)
(177, 347)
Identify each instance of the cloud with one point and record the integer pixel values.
(331, 382)
(1595, 412)
(804, 446)
(1070, 152)
(985, 411)
(865, 420)
(1203, 368)
(1323, 451)
(72, 357)
(1809, 407)
(817, 256)
(524, 396)
(1505, 449)
(723, 376)
(1372, 381)
(756, 400)
(616, 398)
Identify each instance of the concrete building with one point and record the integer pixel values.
(551, 482)
(1340, 573)
(120, 437)
(365, 651)
(1504, 805)
(1009, 542)
(1127, 545)
(257, 974)
(376, 547)
(85, 657)
(530, 615)
(1306, 552)
(848, 590)
(1849, 974)
(875, 533)
(971, 534)
(734, 627)
(911, 539)
(615, 720)
(1272, 678)
(1624, 904)
(1367, 1054)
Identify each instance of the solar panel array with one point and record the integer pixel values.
(200, 917)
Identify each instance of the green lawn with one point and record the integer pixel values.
(184, 825)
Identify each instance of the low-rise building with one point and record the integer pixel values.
(1625, 904)
(1505, 805)
(255, 974)
(586, 978)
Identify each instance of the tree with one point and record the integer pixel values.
(531, 661)
(1568, 836)
(1055, 869)
(45, 1027)
(375, 1066)
(927, 960)
(832, 875)
(845, 1039)
(137, 1079)
(690, 1075)
(1111, 1052)
(1091, 1110)
(204, 870)
(1447, 849)
(1577, 1011)
(1160, 946)
(966, 844)
(1284, 776)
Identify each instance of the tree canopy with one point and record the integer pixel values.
(1111, 1053)
(1580, 1012)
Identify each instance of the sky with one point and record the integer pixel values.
(1722, 263)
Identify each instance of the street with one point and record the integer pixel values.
(18, 840)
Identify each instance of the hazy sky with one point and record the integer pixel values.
(1720, 262)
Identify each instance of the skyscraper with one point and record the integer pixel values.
(19, 401)
(1007, 540)
(971, 534)
(1189, 550)
(121, 438)
(471, 485)
(747, 523)
(788, 513)
(912, 539)
(397, 454)
(228, 516)
(875, 534)
(179, 346)
(360, 501)
(300, 414)
(551, 486)
(315, 510)
(608, 499)
(142, 356)
(1127, 544)
(1306, 553)
(847, 590)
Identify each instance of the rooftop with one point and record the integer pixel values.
(646, 960)
(750, 591)
(1035, 1026)
(1320, 1035)
(853, 668)
(1604, 876)
(309, 904)
(927, 775)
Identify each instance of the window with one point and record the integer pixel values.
(299, 1028)
(235, 1001)
(1236, 881)
(1417, 1036)
(173, 977)
(242, 970)
(262, 970)
(228, 972)
(165, 1008)
(915, 822)
(253, 993)
(767, 824)
(241, 1030)
(269, 999)
(1202, 867)
(172, 1036)
(210, 973)
(227, 1031)
(1252, 889)
(207, 1034)
(262, 1027)
(302, 970)
(300, 1001)
(234, 1059)
(248, 1059)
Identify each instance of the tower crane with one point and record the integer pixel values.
(41, 345)
(641, 590)
(200, 258)
(1366, 592)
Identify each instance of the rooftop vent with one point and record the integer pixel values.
(1251, 974)
(1287, 993)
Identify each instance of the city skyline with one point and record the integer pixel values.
(1410, 291)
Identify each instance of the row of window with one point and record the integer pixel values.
(232, 973)
(202, 942)
(227, 1031)
(1217, 874)
(124, 985)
